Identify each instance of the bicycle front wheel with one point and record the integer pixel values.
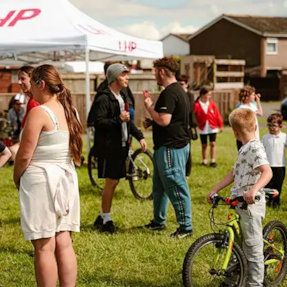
(200, 267)
(276, 234)
(140, 172)
(93, 171)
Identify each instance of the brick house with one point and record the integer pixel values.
(260, 41)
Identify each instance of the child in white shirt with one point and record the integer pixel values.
(275, 143)
(250, 174)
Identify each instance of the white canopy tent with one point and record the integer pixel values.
(31, 29)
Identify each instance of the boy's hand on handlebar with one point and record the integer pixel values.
(209, 197)
(249, 197)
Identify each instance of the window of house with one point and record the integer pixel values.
(272, 46)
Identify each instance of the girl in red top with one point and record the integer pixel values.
(24, 76)
(209, 123)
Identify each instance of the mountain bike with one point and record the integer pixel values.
(139, 167)
(216, 258)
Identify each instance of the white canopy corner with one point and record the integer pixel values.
(56, 25)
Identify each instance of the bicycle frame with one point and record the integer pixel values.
(272, 261)
(134, 164)
(232, 228)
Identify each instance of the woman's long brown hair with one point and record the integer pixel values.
(50, 75)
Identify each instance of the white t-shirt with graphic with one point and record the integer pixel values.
(245, 173)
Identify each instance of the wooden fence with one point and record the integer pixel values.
(225, 99)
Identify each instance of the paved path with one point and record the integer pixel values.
(269, 108)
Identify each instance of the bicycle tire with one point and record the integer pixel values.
(133, 188)
(195, 249)
(91, 161)
(269, 227)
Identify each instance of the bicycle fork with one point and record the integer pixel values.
(226, 244)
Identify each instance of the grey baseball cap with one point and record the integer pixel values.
(114, 71)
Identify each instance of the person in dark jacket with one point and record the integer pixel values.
(126, 91)
(183, 80)
(112, 126)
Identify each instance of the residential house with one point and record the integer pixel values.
(260, 41)
(176, 44)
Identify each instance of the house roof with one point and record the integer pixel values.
(261, 25)
(272, 25)
(183, 37)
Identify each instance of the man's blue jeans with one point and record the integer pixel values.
(169, 183)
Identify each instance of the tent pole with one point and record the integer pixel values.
(88, 97)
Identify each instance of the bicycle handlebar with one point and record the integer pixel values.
(234, 201)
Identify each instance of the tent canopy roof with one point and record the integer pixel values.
(56, 25)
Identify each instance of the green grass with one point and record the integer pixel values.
(133, 257)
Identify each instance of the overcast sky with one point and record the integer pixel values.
(153, 19)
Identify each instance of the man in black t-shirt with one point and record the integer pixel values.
(5, 154)
(170, 121)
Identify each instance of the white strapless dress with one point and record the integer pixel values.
(49, 191)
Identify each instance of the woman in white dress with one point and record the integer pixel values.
(46, 178)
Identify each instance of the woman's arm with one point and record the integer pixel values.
(259, 107)
(33, 127)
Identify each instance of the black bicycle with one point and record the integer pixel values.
(139, 167)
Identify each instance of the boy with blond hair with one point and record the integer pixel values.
(250, 174)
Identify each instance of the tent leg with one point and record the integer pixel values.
(88, 97)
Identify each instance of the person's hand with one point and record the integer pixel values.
(257, 97)
(249, 196)
(221, 130)
(143, 145)
(125, 116)
(209, 196)
(146, 94)
(147, 123)
(148, 103)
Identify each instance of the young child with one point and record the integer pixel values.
(250, 174)
(275, 143)
(248, 98)
(5, 154)
(209, 123)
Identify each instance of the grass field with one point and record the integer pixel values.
(134, 257)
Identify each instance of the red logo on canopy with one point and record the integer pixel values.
(127, 46)
(93, 30)
(13, 18)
